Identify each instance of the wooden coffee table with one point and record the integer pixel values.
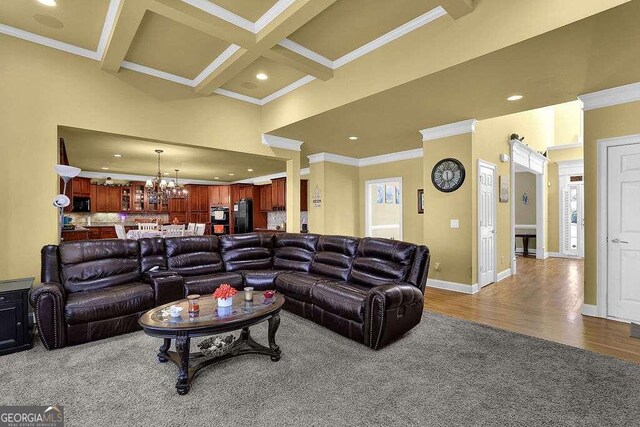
(212, 320)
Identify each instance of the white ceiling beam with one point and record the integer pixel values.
(127, 20)
(457, 8)
(299, 62)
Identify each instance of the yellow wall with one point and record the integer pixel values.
(412, 180)
(567, 123)
(609, 122)
(553, 206)
(44, 88)
(451, 248)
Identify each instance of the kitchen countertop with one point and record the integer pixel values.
(78, 228)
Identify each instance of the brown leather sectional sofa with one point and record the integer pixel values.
(370, 290)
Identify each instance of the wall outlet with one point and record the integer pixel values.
(455, 223)
(502, 260)
(436, 266)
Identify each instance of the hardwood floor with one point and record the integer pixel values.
(543, 300)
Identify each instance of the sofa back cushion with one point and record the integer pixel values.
(334, 256)
(95, 264)
(419, 267)
(252, 251)
(381, 261)
(152, 254)
(294, 251)
(50, 268)
(194, 255)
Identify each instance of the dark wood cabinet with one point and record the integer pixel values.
(138, 200)
(14, 316)
(70, 235)
(80, 187)
(218, 195)
(198, 204)
(266, 204)
(279, 193)
(304, 195)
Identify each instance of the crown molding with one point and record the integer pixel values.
(239, 96)
(332, 158)
(285, 90)
(609, 97)
(222, 13)
(414, 24)
(307, 53)
(280, 142)
(391, 157)
(226, 54)
(46, 41)
(266, 178)
(156, 73)
(452, 129)
(565, 146)
(128, 177)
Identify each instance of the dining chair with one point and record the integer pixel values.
(191, 227)
(147, 226)
(173, 227)
(199, 231)
(120, 231)
(173, 233)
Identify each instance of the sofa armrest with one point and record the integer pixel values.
(167, 286)
(48, 300)
(391, 310)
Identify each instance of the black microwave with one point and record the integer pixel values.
(81, 204)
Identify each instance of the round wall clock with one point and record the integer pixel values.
(448, 175)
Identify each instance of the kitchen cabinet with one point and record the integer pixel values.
(138, 200)
(198, 204)
(107, 199)
(77, 234)
(279, 194)
(178, 210)
(80, 187)
(304, 195)
(266, 204)
(125, 199)
(218, 195)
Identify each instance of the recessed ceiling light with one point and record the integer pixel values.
(261, 76)
(231, 174)
(166, 173)
(353, 138)
(117, 155)
(105, 168)
(249, 170)
(49, 3)
(515, 98)
(216, 177)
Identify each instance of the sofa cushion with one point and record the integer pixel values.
(208, 283)
(343, 299)
(260, 279)
(294, 251)
(194, 255)
(95, 264)
(152, 253)
(107, 303)
(381, 261)
(252, 251)
(334, 255)
(298, 285)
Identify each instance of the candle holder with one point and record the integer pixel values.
(194, 305)
(248, 294)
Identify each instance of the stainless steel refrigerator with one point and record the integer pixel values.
(243, 216)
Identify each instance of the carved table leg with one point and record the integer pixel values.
(163, 353)
(274, 322)
(245, 334)
(183, 344)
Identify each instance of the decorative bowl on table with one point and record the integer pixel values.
(216, 346)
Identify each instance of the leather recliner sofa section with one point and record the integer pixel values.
(370, 290)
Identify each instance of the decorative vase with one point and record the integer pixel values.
(225, 302)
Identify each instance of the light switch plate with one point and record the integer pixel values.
(455, 223)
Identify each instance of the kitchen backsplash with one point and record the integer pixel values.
(276, 218)
(113, 218)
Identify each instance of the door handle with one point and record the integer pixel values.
(616, 240)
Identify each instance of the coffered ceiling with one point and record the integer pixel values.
(219, 46)
(93, 151)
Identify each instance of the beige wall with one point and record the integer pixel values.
(339, 211)
(44, 88)
(567, 123)
(609, 122)
(525, 183)
(451, 248)
(553, 206)
(412, 180)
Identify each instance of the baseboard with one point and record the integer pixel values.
(589, 310)
(555, 255)
(453, 286)
(504, 274)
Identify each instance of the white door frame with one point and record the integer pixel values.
(367, 202)
(602, 262)
(528, 160)
(495, 217)
(567, 168)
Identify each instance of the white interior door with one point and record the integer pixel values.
(486, 223)
(623, 232)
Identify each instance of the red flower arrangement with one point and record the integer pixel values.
(224, 291)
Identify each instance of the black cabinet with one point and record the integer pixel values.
(14, 316)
